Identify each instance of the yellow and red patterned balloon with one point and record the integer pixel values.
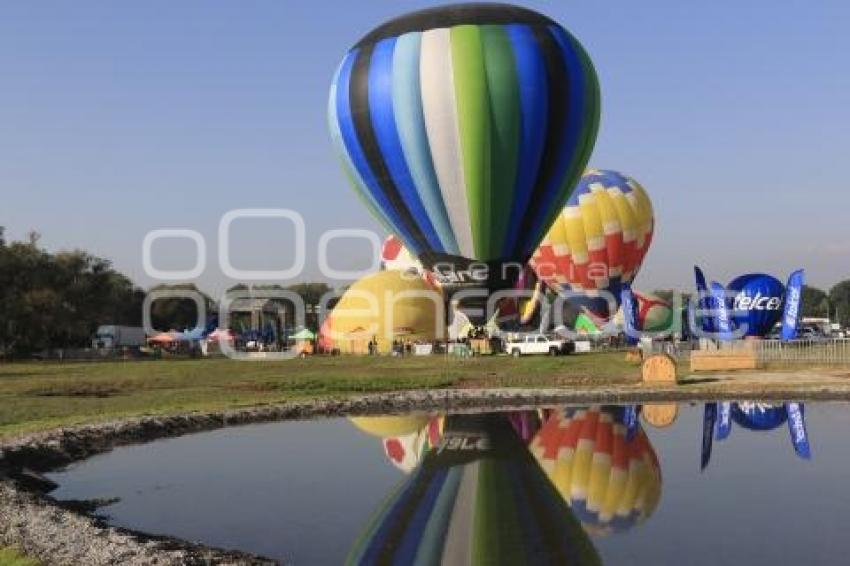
(611, 483)
(599, 240)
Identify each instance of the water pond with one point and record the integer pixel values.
(726, 483)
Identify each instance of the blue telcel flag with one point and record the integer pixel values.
(630, 314)
(724, 420)
(708, 420)
(721, 309)
(797, 428)
(793, 297)
(703, 299)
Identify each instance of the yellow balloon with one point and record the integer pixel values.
(385, 427)
(385, 306)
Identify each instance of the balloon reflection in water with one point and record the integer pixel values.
(406, 439)
(406, 452)
(477, 498)
(758, 417)
(386, 426)
(609, 482)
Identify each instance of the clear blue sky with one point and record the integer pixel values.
(121, 117)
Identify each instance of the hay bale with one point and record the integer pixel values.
(658, 368)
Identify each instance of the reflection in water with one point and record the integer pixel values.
(477, 497)
(406, 439)
(759, 417)
(535, 486)
(603, 465)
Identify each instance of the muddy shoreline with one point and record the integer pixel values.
(46, 530)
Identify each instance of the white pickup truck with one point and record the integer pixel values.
(537, 344)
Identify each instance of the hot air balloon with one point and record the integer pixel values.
(754, 416)
(759, 416)
(513, 310)
(406, 451)
(757, 303)
(654, 313)
(382, 307)
(478, 498)
(387, 426)
(609, 482)
(464, 129)
(406, 439)
(765, 416)
(396, 257)
(599, 240)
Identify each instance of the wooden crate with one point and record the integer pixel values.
(721, 360)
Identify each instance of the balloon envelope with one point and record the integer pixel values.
(609, 482)
(654, 313)
(759, 416)
(384, 306)
(757, 302)
(396, 257)
(599, 240)
(406, 451)
(464, 128)
(478, 498)
(388, 426)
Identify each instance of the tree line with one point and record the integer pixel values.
(57, 300)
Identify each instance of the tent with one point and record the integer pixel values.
(584, 325)
(193, 335)
(221, 334)
(303, 334)
(161, 338)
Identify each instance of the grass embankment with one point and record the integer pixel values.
(37, 396)
(11, 557)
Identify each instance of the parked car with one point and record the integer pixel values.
(537, 344)
(809, 333)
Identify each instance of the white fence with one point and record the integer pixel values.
(796, 352)
(814, 352)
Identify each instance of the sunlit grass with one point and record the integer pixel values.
(11, 557)
(35, 396)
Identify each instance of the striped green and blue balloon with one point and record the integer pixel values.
(478, 497)
(465, 128)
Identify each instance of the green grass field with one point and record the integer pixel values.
(37, 396)
(11, 557)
